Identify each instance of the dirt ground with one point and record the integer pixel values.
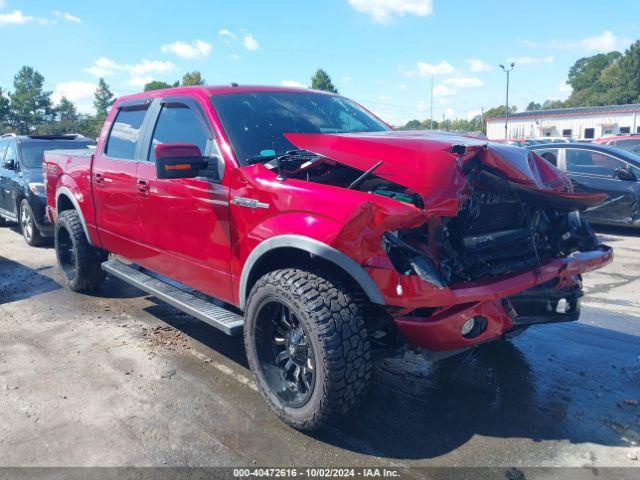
(120, 378)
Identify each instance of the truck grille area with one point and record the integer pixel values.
(496, 234)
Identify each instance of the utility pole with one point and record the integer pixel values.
(507, 70)
(431, 114)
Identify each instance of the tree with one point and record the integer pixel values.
(552, 104)
(192, 79)
(103, 99)
(533, 106)
(30, 105)
(412, 125)
(630, 74)
(158, 85)
(586, 70)
(4, 110)
(66, 110)
(322, 81)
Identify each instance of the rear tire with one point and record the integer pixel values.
(319, 368)
(28, 226)
(79, 261)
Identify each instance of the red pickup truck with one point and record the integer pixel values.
(303, 220)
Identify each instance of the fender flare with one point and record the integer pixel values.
(65, 191)
(316, 248)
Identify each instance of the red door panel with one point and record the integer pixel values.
(185, 231)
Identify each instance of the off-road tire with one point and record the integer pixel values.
(332, 316)
(85, 273)
(28, 227)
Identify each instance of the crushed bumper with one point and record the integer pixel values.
(489, 300)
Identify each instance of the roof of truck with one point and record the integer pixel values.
(219, 90)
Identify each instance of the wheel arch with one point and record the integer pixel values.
(297, 248)
(65, 200)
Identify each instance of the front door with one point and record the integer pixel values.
(185, 222)
(9, 175)
(114, 179)
(594, 171)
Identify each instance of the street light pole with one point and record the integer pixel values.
(507, 70)
(431, 99)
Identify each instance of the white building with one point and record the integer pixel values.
(577, 123)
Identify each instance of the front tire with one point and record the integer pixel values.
(79, 261)
(307, 346)
(28, 226)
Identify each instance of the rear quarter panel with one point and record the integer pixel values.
(70, 174)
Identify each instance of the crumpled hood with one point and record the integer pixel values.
(431, 164)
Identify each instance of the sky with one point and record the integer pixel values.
(381, 53)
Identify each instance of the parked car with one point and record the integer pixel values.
(304, 220)
(627, 142)
(22, 195)
(552, 140)
(600, 168)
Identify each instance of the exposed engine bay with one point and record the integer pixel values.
(497, 231)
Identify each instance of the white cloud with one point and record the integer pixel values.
(384, 11)
(402, 87)
(74, 91)
(80, 93)
(227, 36)
(473, 113)
(564, 87)
(533, 60)
(606, 42)
(476, 65)
(441, 90)
(250, 43)
(150, 66)
(103, 67)
(15, 18)
(293, 84)
(464, 82)
(428, 69)
(195, 49)
(67, 16)
(450, 113)
(140, 80)
(140, 73)
(2, 3)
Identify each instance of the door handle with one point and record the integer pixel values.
(99, 179)
(143, 187)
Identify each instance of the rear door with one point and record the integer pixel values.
(593, 171)
(185, 222)
(114, 180)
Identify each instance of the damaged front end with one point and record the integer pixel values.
(495, 243)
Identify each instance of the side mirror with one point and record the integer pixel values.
(624, 174)
(179, 160)
(9, 164)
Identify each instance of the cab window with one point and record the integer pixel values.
(125, 132)
(593, 163)
(179, 123)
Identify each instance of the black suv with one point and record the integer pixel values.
(22, 194)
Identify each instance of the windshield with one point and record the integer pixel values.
(256, 122)
(33, 152)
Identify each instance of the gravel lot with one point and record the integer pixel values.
(122, 379)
